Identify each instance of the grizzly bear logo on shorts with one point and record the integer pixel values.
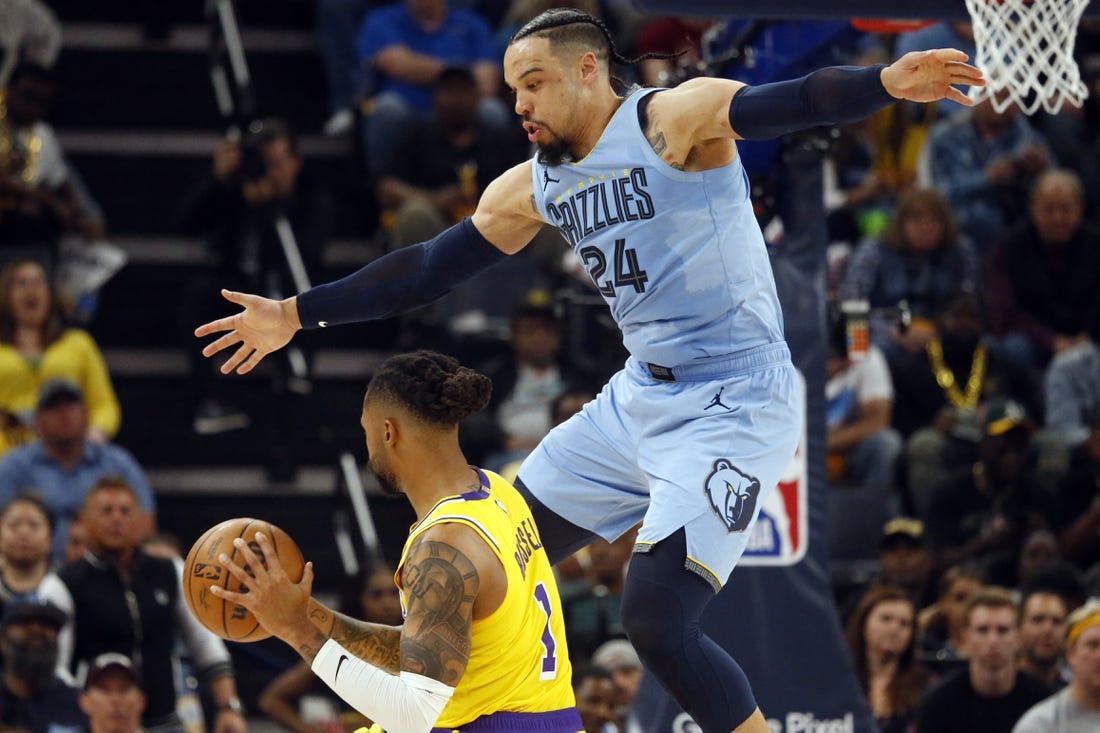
(732, 495)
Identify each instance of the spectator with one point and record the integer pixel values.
(1042, 618)
(34, 698)
(873, 161)
(125, 601)
(987, 511)
(920, 261)
(904, 561)
(563, 407)
(406, 45)
(25, 538)
(941, 392)
(41, 201)
(1037, 551)
(942, 626)
(990, 694)
(375, 599)
(441, 164)
(1044, 276)
(1079, 504)
(1075, 709)
(619, 658)
(112, 697)
(592, 604)
(881, 637)
(30, 32)
(63, 464)
(1071, 390)
(595, 694)
(338, 23)
(863, 448)
(256, 186)
(526, 383)
(35, 347)
(984, 161)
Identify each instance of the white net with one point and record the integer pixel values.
(1025, 49)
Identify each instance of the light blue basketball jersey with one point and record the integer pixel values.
(677, 255)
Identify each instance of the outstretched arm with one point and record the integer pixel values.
(505, 221)
(703, 110)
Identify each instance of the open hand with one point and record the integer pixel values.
(929, 76)
(263, 326)
(277, 602)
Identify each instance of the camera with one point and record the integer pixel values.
(252, 162)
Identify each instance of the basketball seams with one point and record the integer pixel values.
(225, 606)
(202, 570)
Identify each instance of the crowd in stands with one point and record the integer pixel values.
(968, 236)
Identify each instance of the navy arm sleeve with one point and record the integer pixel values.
(401, 280)
(830, 96)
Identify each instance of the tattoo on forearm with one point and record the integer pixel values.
(312, 646)
(375, 643)
(441, 584)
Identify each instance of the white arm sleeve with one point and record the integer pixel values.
(405, 703)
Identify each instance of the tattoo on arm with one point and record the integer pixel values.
(441, 584)
(657, 141)
(377, 644)
(309, 648)
(534, 206)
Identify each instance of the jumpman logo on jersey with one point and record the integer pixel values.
(547, 180)
(716, 401)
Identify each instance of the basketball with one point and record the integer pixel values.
(201, 570)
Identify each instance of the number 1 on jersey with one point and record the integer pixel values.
(550, 659)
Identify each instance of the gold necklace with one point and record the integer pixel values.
(7, 148)
(946, 378)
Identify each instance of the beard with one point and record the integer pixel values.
(34, 663)
(554, 153)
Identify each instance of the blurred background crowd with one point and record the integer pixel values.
(963, 441)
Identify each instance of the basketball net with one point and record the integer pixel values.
(1025, 50)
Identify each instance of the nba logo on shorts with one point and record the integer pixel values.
(781, 532)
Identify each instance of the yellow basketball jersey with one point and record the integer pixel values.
(518, 657)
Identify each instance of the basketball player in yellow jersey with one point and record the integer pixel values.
(482, 649)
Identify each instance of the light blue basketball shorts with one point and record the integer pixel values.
(703, 452)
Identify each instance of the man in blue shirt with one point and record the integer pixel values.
(404, 47)
(62, 465)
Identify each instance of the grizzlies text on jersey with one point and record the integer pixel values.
(677, 255)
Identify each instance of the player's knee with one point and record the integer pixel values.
(655, 630)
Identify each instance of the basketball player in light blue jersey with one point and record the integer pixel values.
(691, 437)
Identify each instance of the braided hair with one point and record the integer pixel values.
(432, 386)
(567, 26)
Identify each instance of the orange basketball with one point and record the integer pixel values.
(201, 570)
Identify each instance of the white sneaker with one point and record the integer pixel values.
(339, 123)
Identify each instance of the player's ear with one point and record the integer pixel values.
(590, 65)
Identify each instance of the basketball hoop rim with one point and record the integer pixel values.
(890, 25)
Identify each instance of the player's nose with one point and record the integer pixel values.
(523, 106)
